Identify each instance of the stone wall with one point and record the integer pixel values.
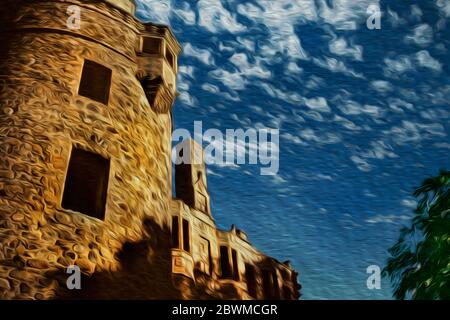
(42, 117)
(129, 254)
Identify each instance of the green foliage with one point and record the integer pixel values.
(419, 265)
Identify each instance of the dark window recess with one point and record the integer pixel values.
(235, 265)
(86, 183)
(186, 242)
(95, 82)
(152, 45)
(250, 277)
(175, 233)
(267, 284)
(286, 293)
(170, 58)
(276, 288)
(225, 262)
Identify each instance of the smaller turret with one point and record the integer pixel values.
(190, 177)
(158, 64)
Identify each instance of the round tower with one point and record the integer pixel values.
(86, 92)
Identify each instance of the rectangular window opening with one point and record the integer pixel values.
(95, 82)
(235, 265)
(175, 233)
(276, 287)
(186, 242)
(225, 262)
(267, 284)
(170, 58)
(250, 277)
(86, 183)
(152, 45)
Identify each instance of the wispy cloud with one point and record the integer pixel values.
(422, 35)
(424, 59)
(390, 218)
(338, 66)
(203, 55)
(215, 18)
(341, 47)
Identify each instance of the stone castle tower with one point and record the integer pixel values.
(86, 170)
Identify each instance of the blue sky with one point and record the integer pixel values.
(363, 116)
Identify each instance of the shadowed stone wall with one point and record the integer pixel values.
(42, 117)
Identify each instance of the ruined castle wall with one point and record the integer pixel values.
(42, 117)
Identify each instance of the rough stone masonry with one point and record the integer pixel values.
(86, 171)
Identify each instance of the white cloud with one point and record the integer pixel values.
(340, 46)
(210, 88)
(353, 108)
(154, 10)
(387, 219)
(394, 18)
(444, 7)
(399, 65)
(280, 22)
(186, 70)
(337, 66)
(361, 163)
(416, 12)
(381, 86)
(398, 105)
(422, 35)
(349, 125)
(322, 138)
(215, 18)
(319, 104)
(202, 55)
(240, 60)
(187, 99)
(442, 145)
(412, 204)
(411, 132)
(186, 14)
(424, 59)
(233, 80)
(345, 14)
(292, 138)
(402, 64)
(379, 150)
(248, 44)
(294, 68)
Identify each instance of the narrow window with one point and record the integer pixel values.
(170, 58)
(235, 265)
(276, 287)
(225, 262)
(250, 277)
(267, 284)
(152, 45)
(205, 256)
(175, 233)
(186, 242)
(86, 183)
(95, 82)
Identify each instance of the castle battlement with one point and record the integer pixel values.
(86, 169)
